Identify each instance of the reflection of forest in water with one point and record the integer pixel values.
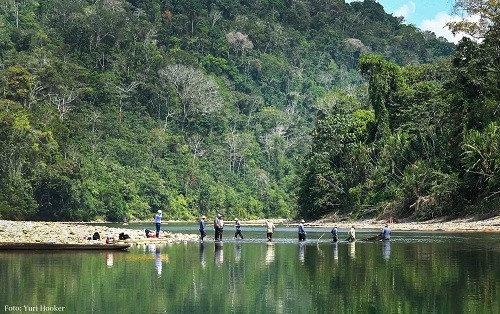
(418, 272)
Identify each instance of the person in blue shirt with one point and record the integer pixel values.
(237, 225)
(158, 223)
(202, 228)
(386, 233)
(334, 234)
(302, 231)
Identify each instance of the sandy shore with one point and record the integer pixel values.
(60, 232)
(455, 225)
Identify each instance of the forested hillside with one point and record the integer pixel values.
(113, 109)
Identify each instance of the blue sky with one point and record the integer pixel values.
(431, 15)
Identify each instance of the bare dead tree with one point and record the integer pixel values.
(170, 113)
(215, 16)
(239, 42)
(124, 93)
(33, 93)
(63, 102)
(195, 143)
(197, 93)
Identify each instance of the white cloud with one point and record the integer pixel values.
(438, 26)
(405, 10)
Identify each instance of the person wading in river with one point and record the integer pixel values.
(385, 234)
(351, 236)
(302, 231)
(219, 227)
(270, 230)
(202, 228)
(334, 233)
(237, 225)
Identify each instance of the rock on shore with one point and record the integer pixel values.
(73, 233)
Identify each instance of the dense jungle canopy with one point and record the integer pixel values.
(113, 109)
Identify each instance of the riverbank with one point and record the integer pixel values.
(455, 225)
(77, 233)
(72, 233)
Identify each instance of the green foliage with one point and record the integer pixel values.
(115, 109)
(423, 123)
(481, 159)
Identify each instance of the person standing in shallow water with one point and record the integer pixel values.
(237, 225)
(158, 222)
(270, 230)
(351, 236)
(334, 234)
(302, 231)
(202, 228)
(221, 226)
(386, 233)
(217, 227)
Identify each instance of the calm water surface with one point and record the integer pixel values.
(413, 273)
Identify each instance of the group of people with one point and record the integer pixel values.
(219, 228)
(384, 235)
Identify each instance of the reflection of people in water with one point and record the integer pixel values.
(352, 250)
(302, 251)
(386, 249)
(270, 254)
(237, 255)
(109, 260)
(335, 248)
(202, 255)
(219, 254)
(158, 263)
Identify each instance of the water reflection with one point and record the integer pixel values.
(422, 277)
(270, 253)
(335, 249)
(302, 251)
(219, 254)
(352, 250)
(237, 251)
(109, 260)
(158, 263)
(202, 255)
(386, 249)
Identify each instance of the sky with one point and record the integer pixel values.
(429, 15)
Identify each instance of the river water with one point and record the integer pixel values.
(415, 272)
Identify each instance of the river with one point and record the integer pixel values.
(415, 272)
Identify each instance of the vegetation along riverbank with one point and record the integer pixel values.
(254, 109)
